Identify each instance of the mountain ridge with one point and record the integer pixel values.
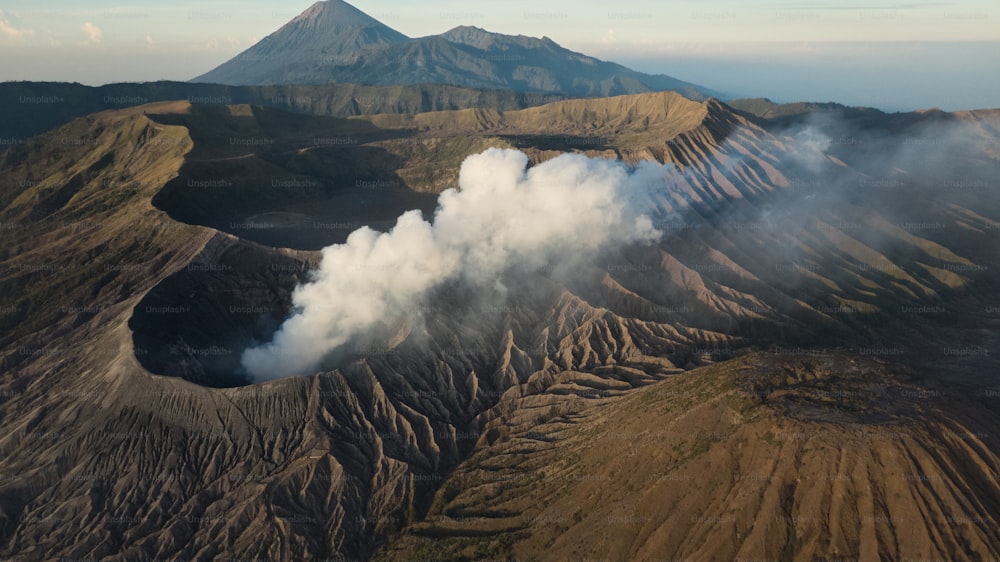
(820, 457)
(114, 426)
(302, 52)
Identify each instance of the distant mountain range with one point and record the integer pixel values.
(334, 42)
(40, 106)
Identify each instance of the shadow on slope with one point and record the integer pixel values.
(196, 323)
(286, 180)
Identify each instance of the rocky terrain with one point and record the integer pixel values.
(800, 368)
(769, 456)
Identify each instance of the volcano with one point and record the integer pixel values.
(802, 366)
(333, 42)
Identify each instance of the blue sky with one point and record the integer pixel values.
(893, 55)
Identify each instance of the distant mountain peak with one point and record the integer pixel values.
(327, 34)
(482, 39)
(334, 42)
(470, 35)
(467, 29)
(336, 12)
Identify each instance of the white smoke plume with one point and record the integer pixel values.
(504, 216)
(809, 147)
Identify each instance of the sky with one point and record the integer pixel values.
(895, 55)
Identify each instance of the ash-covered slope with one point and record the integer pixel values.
(766, 457)
(316, 468)
(334, 42)
(117, 446)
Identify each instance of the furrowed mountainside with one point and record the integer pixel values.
(145, 248)
(334, 42)
(825, 457)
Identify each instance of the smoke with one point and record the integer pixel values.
(809, 147)
(863, 178)
(505, 217)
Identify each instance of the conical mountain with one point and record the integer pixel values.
(329, 33)
(333, 42)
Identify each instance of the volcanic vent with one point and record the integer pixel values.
(195, 323)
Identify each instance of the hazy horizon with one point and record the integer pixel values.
(895, 56)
